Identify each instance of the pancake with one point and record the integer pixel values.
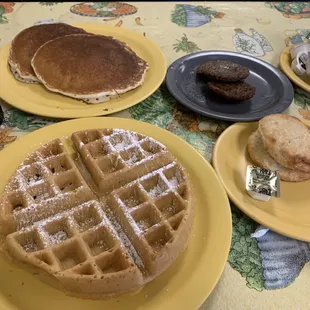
(26, 43)
(93, 68)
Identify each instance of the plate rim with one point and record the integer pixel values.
(12, 98)
(284, 58)
(285, 229)
(39, 137)
(284, 80)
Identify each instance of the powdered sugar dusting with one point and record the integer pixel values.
(42, 196)
(156, 191)
(133, 159)
(34, 179)
(30, 247)
(133, 224)
(126, 242)
(119, 146)
(45, 209)
(131, 202)
(121, 140)
(58, 237)
(144, 224)
(174, 182)
(87, 223)
(17, 209)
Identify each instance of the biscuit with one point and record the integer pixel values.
(263, 159)
(287, 140)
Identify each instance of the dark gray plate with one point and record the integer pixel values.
(274, 92)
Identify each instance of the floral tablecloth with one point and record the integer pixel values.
(264, 271)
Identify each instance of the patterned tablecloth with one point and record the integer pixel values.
(266, 272)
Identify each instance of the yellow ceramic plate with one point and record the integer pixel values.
(288, 215)
(190, 279)
(285, 64)
(36, 99)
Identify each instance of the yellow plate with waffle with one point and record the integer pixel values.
(36, 99)
(190, 279)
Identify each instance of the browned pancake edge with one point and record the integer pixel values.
(27, 42)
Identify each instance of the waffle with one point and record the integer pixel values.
(100, 222)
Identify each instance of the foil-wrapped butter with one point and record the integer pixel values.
(262, 184)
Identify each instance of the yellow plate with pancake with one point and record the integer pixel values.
(288, 215)
(285, 64)
(36, 99)
(192, 277)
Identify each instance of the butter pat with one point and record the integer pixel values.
(262, 184)
(258, 196)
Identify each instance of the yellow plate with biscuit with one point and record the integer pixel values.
(288, 215)
(285, 64)
(36, 99)
(192, 277)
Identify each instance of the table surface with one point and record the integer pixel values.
(270, 272)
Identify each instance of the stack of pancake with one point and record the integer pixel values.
(70, 61)
(282, 143)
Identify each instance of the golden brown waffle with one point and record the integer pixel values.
(104, 224)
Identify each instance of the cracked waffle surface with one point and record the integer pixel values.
(102, 225)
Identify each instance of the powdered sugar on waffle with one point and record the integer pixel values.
(115, 226)
(173, 182)
(133, 159)
(45, 210)
(131, 150)
(30, 247)
(122, 145)
(156, 191)
(130, 139)
(58, 237)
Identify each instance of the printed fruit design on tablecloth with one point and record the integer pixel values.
(294, 10)
(5, 137)
(21, 121)
(187, 15)
(49, 3)
(255, 44)
(296, 36)
(185, 45)
(46, 21)
(244, 255)
(303, 102)
(265, 259)
(103, 9)
(5, 7)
